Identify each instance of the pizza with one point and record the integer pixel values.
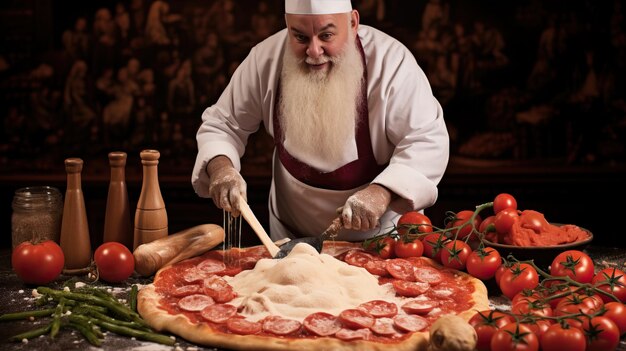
(344, 298)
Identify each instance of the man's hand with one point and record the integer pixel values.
(226, 184)
(362, 210)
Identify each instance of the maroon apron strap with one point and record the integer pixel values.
(352, 175)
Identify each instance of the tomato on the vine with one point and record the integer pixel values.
(462, 220)
(616, 311)
(613, 281)
(414, 222)
(505, 219)
(486, 323)
(514, 337)
(434, 245)
(38, 263)
(602, 334)
(536, 308)
(114, 261)
(577, 303)
(537, 326)
(411, 248)
(574, 264)
(483, 263)
(559, 338)
(455, 254)
(383, 247)
(517, 278)
(503, 201)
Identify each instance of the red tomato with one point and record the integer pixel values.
(38, 263)
(613, 281)
(414, 222)
(514, 337)
(503, 201)
(616, 311)
(503, 268)
(114, 261)
(455, 254)
(434, 245)
(485, 225)
(574, 264)
(461, 220)
(517, 278)
(558, 338)
(527, 295)
(383, 247)
(577, 303)
(486, 323)
(537, 326)
(602, 334)
(536, 308)
(505, 220)
(534, 220)
(414, 248)
(483, 263)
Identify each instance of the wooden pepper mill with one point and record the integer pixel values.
(75, 240)
(117, 226)
(150, 216)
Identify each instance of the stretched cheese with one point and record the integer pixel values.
(194, 241)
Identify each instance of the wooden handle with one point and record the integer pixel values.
(256, 226)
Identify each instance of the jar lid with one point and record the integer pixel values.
(35, 197)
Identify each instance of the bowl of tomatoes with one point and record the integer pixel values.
(541, 255)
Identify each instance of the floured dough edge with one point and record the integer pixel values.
(202, 334)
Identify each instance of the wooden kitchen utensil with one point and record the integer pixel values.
(249, 216)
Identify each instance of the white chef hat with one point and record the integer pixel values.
(317, 7)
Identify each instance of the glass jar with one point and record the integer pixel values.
(37, 213)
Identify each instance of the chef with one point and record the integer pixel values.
(354, 122)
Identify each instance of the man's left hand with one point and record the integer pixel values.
(363, 210)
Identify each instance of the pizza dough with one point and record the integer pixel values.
(307, 301)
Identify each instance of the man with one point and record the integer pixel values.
(353, 118)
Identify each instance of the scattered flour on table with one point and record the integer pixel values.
(302, 283)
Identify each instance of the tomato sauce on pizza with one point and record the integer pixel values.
(307, 300)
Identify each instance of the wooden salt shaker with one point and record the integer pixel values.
(150, 216)
(75, 240)
(117, 225)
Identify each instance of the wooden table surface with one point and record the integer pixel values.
(15, 296)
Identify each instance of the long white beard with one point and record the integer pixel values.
(318, 108)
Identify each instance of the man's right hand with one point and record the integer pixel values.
(226, 184)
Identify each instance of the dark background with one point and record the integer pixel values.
(532, 91)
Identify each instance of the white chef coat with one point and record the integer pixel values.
(406, 126)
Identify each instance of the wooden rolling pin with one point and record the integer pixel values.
(195, 241)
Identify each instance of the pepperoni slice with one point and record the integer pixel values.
(400, 268)
(359, 258)
(230, 271)
(186, 290)
(380, 308)
(243, 326)
(321, 324)
(419, 307)
(195, 302)
(384, 326)
(280, 326)
(354, 318)
(193, 275)
(349, 334)
(376, 267)
(428, 275)
(410, 322)
(210, 266)
(218, 289)
(218, 313)
(409, 289)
